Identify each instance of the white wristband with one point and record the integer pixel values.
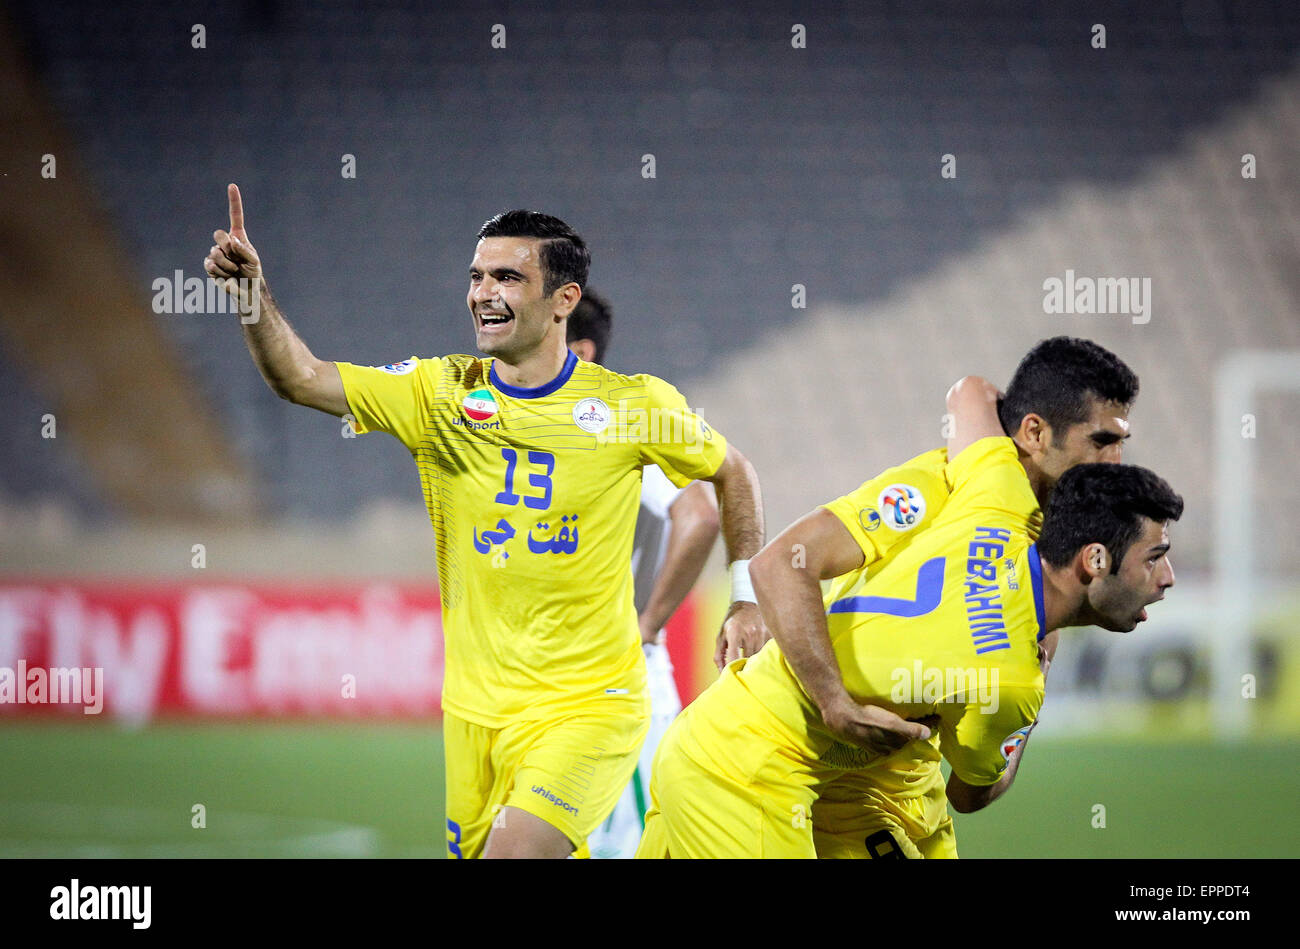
(742, 591)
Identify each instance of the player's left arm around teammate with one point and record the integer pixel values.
(968, 798)
(741, 513)
(694, 519)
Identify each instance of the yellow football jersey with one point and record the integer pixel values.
(884, 513)
(949, 625)
(533, 496)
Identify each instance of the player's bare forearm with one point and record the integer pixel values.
(790, 599)
(279, 353)
(694, 519)
(740, 509)
(740, 505)
(285, 362)
(287, 365)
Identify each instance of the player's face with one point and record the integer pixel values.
(1120, 599)
(1098, 439)
(511, 314)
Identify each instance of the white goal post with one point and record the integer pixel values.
(1237, 584)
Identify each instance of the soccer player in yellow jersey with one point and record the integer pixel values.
(531, 463)
(951, 629)
(1066, 404)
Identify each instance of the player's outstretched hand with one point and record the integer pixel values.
(743, 634)
(878, 730)
(232, 261)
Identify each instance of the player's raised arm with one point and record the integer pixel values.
(973, 404)
(786, 575)
(284, 360)
(740, 509)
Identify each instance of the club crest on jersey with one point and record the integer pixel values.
(591, 415)
(400, 368)
(480, 405)
(1014, 741)
(869, 518)
(901, 506)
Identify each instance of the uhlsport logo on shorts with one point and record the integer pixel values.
(557, 801)
(591, 415)
(480, 405)
(902, 506)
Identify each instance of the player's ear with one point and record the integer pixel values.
(584, 349)
(1034, 434)
(1095, 561)
(565, 298)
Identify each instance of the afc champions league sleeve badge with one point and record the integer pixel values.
(400, 368)
(591, 415)
(901, 507)
(1014, 741)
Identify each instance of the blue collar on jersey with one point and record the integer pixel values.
(517, 392)
(1036, 576)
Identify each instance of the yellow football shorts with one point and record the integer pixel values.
(722, 789)
(854, 821)
(568, 771)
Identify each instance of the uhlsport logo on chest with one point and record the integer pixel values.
(480, 404)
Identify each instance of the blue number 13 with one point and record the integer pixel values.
(536, 480)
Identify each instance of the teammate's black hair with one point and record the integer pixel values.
(591, 319)
(1058, 378)
(1103, 504)
(564, 256)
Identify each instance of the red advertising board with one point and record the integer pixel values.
(229, 649)
(234, 649)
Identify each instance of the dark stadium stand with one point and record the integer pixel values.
(775, 166)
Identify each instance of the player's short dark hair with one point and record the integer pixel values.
(1103, 504)
(1059, 378)
(564, 257)
(591, 319)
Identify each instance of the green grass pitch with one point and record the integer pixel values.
(375, 790)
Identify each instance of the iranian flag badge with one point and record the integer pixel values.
(480, 405)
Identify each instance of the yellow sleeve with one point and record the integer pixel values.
(678, 440)
(893, 505)
(391, 399)
(978, 745)
(987, 475)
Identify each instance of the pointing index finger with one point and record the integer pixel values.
(236, 208)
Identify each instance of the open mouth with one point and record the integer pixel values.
(494, 319)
